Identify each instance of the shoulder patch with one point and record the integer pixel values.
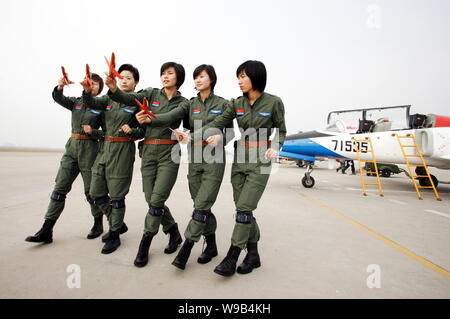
(156, 104)
(78, 107)
(240, 112)
(109, 107)
(196, 111)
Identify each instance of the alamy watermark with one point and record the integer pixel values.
(74, 279)
(374, 16)
(374, 279)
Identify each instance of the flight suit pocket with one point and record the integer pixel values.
(243, 119)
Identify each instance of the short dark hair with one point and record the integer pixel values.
(132, 69)
(209, 69)
(257, 73)
(95, 77)
(179, 71)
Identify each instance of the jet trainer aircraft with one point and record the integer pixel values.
(380, 124)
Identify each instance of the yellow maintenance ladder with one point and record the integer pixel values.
(409, 165)
(358, 143)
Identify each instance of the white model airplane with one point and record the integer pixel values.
(431, 131)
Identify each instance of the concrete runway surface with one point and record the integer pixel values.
(329, 241)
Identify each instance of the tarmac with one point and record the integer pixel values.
(328, 241)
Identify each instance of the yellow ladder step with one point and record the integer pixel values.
(360, 161)
(409, 165)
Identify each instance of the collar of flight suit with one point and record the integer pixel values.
(245, 96)
(210, 97)
(163, 92)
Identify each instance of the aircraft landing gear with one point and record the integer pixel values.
(308, 180)
(424, 181)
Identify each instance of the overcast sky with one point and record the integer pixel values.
(320, 55)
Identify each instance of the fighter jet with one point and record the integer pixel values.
(381, 125)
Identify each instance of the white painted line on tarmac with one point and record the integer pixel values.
(397, 202)
(437, 213)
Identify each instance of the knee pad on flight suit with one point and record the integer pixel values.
(244, 217)
(95, 210)
(242, 229)
(58, 197)
(156, 211)
(56, 206)
(100, 200)
(89, 199)
(116, 204)
(201, 215)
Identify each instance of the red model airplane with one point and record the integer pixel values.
(144, 107)
(112, 67)
(66, 76)
(88, 77)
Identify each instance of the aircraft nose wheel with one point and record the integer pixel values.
(308, 182)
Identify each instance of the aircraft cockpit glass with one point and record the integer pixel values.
(343, 122)
(381, 119)
(338, 126)
(382, 124)
(396, 119)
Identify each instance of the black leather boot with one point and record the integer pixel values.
(45, 234)
(174, 239)
(251, 260)
(211, 250)
(183, 255)
(122, 230)
(113, 242)
(142, 256)
(97, 229)
(228, 266)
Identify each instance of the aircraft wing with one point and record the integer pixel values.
(297, 156)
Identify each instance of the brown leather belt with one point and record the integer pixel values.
(254, 143)
(160, 141)
(81, 137)
(202, 143)
(119, 139)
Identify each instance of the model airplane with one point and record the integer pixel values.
(88, 77)
(431, 131)
(66, 76)
(112, 67)
(144, 107)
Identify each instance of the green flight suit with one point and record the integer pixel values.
(112, 171)
(159, 171)
(250, 171)
(79, 154)
(204, 173)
